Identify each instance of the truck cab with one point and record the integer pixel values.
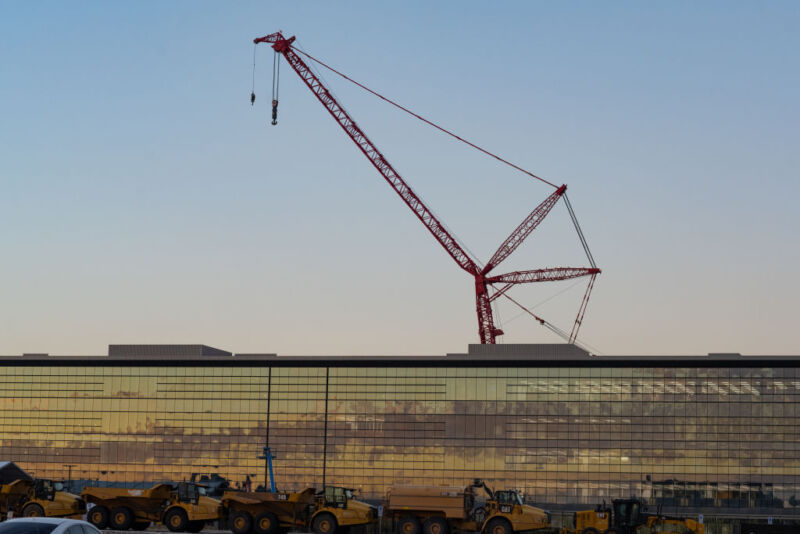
(334, 497)
(336, 507)
(506, 501)
(506, 513)
(188, 492)
(190, 508)
(628, 515)
(45, 490)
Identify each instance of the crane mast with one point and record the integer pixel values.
(486, 328)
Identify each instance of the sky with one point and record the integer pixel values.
(144, 200)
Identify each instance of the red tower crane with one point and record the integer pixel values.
(483, 279)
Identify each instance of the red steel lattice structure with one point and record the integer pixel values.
(486, 328)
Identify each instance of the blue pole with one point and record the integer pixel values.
(268, 454)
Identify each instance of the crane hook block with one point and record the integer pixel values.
(274, 112)
(252, 98)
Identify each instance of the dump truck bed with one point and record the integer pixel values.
(154, 496)
(280, 498)
(18, 487)
(447, 500)
(291, 508)
(12, 494)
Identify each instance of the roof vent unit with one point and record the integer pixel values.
(164, 351)
(724, 355)
(529, 351)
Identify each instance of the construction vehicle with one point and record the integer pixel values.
(266, 512)
(590, 521)
(325, 512)
(628, 516)
(332, 509)
(488, 286)
(439, 510)
(674, 525)
(336, 508)
(39, 498)
(182, 509)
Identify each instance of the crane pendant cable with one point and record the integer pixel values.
(423, 119)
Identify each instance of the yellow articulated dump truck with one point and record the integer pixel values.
(628, 517)
(336, 509)
(181, 509)
(266, 513)
(327, 512)
(39, 498)
(441, 510)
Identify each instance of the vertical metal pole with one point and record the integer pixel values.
(267, 477)
(268, 454)
(69, 477)
(325, 429)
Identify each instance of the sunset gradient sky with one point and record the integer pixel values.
(143, 200)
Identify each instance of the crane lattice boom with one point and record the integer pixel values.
(486, 328)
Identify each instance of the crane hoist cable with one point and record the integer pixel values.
(276, 78)
(253, 90)
(276, 75)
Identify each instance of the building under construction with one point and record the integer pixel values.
(713, 434)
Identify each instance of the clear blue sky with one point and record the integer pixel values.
(143, 200)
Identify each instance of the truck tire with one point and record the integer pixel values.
(140, 525)
(324, 523)
(241, 522)
(266, 523)
(176, 519)
(435, 525)
(98, 516)
(498, 525)
(33, 510)
(589, 530)
(121, 518)
(195, 526)
(408, 525)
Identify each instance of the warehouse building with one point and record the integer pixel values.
(714, 434)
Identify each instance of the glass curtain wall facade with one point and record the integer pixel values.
(711, 438)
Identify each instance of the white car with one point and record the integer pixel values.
(46, 525)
